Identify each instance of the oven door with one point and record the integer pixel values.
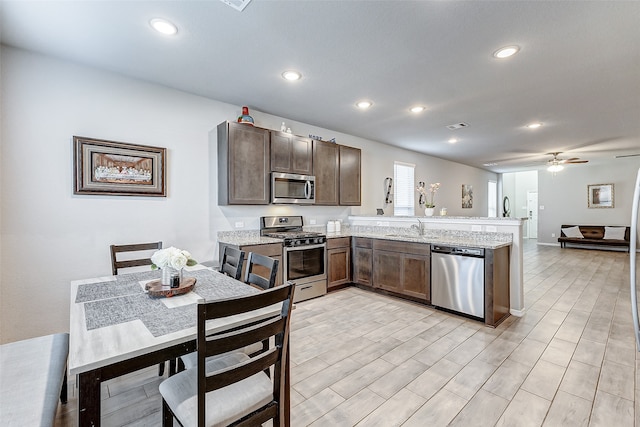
(304, 264)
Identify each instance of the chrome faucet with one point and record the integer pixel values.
(419, 227)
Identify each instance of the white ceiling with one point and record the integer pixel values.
(578, 70)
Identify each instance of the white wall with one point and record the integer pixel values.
(564, 196)
(48, 236)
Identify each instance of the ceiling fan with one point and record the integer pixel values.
(556, 164)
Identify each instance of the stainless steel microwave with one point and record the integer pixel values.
(292, 188)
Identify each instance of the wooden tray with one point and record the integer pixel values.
(156, 290)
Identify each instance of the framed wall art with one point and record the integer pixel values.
(600, 196)
(118, 168)
(467, 196)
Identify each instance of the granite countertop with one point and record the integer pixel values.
(460, 238)
(442, 237)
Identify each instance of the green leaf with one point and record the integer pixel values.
(154, 267)
(191, 262)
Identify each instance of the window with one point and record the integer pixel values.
(404, 189)
(492, 194)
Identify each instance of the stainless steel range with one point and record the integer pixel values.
(304, 254)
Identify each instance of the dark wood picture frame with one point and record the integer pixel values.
(118, 168)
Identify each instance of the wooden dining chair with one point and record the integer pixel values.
(261, 271)
(137, 247)
(127, 263)
(232, 260)
(232, 387)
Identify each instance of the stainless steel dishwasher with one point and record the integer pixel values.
(457, 279)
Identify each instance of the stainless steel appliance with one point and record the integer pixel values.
(457, 279)
(304, 255)
(291, 188)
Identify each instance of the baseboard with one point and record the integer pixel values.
(516, 313)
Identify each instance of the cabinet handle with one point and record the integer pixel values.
(305, 287)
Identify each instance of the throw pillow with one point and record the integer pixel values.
(614, 233)
(573, 232)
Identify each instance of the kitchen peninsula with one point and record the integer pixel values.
(455, 230)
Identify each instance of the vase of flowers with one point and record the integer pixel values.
(171, 261)
(427, 196)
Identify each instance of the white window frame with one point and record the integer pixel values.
(492, 199)
(404, 188)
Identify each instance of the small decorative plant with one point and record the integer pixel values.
(429, 193)
(171, 257)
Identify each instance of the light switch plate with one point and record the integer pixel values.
(239, 224)
(312, 222)
(476, 228)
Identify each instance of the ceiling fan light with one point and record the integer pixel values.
(363, 105)
(555, 168)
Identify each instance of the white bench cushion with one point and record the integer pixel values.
(31, 376)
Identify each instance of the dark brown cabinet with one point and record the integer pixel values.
(496, 285)
(338, 261)
(291, 153)
(362, 260)
(402, 267)
(326, 170)
(350, 170)
(243, 164)
(337, 169)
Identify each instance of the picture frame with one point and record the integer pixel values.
(467, 196)
(600, 196)
(118, 168)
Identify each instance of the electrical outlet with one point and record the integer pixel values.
(541, 207)
(491, 228)
(239, 224)
(382, 223)
(476, 228)
(553, 234)
(312, 222)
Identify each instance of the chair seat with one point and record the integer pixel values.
(224, 405)
(191, 360)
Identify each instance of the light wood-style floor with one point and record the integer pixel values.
(363, 359)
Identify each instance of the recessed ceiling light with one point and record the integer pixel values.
(505, 52)
(535, 125)
(163, 26)
(417, 109)
(291, 75)
(364, 104)
(452, 140)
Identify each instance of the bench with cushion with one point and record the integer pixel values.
(595, 235)
(33, 375)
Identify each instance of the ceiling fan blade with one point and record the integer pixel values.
(572, 159)
(576, 161)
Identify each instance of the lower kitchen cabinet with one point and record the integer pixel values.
(402, 268)
(362, 260)
(338, 262)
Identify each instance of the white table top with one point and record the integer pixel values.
(102, 346)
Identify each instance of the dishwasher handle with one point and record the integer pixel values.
(473, 252)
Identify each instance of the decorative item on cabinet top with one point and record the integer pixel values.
(245, 117)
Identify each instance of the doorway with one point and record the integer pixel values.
(532, 214)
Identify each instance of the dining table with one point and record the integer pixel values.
(117, 327)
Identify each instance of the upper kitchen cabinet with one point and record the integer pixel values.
(337, 171)
(243, 164)
(291, 153)
(326, 170)
(349, 176)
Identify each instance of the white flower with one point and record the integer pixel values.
(171, 257)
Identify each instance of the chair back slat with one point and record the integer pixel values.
(270, 265)
(232, 260)
(223, 343)
(257, 364)
(135, 247)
